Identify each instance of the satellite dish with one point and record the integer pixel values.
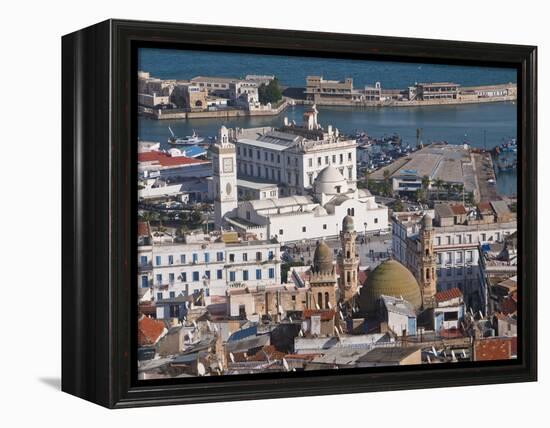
(232, 357)
(329, 305)
(201, 370)
(290, 319)
(434, 351)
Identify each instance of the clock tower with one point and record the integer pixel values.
(224, 179)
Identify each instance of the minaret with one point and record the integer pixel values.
(426, 274)
(322, 280)
(348, 261)
(224, 176)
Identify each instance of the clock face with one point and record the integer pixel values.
(227, 165)
(228, 188)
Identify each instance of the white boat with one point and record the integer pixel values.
(189, 140)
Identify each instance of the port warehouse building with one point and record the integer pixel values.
(452, 164)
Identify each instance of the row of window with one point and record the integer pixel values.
(468, 238)
(458, 270)
(327, 159)
(459, 257)
(206, 258)
(195, 276)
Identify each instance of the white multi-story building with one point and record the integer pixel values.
(319, 190)
(208, 264)
(293, 156)
(457, 249)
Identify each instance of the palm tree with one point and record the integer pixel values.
(425, 186)
(438, 183)
(386, 181)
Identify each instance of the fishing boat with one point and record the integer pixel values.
(189, 140)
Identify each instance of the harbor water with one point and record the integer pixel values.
(482, 125)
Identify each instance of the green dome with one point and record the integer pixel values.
(390, 278)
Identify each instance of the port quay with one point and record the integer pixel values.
(222, 97)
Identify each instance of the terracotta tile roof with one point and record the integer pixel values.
(450, 333)
(485, 207)
(166, 160)
(498, 348)
(308, 357)
(445, 295)
(458, 209)
(508, 306)
(149, 331)
(143, 228)
(267, 353)
(325, 314)
(147, 308)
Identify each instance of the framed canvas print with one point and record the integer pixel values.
(253, 213)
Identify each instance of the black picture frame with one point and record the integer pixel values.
(99, 205)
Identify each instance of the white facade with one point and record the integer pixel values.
(224, 180)
(173, 269)
(296, 218)
(457, 252)
(294, 155)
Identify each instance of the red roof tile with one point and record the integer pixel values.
(498, 348)
(508, 306)
(149, 331)
(458, 209)
(164, 159)
(445, 295)
(325, 314)
(451, 333)
(143, 228)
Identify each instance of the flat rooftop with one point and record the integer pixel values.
(450, 163)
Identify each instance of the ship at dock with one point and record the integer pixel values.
(189, 140)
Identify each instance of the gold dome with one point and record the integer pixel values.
(322, 258)
(390, 278)
(347, 224)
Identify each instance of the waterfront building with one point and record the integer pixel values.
(294, 155)
(156, 164)
(207, 264)
(373, 93)
(457, 247)
(319, 192)
(239, 92)
(451, 164)
(319, 89)
(437, 90)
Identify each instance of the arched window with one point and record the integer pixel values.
(320, 300)
(348, 254)
(427, 273)
(348, 276)
(326, 301)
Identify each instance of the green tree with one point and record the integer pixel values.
(270, 93)
(438, 183)
(398, 206)
(387, 189)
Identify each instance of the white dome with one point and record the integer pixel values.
(330, 182)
